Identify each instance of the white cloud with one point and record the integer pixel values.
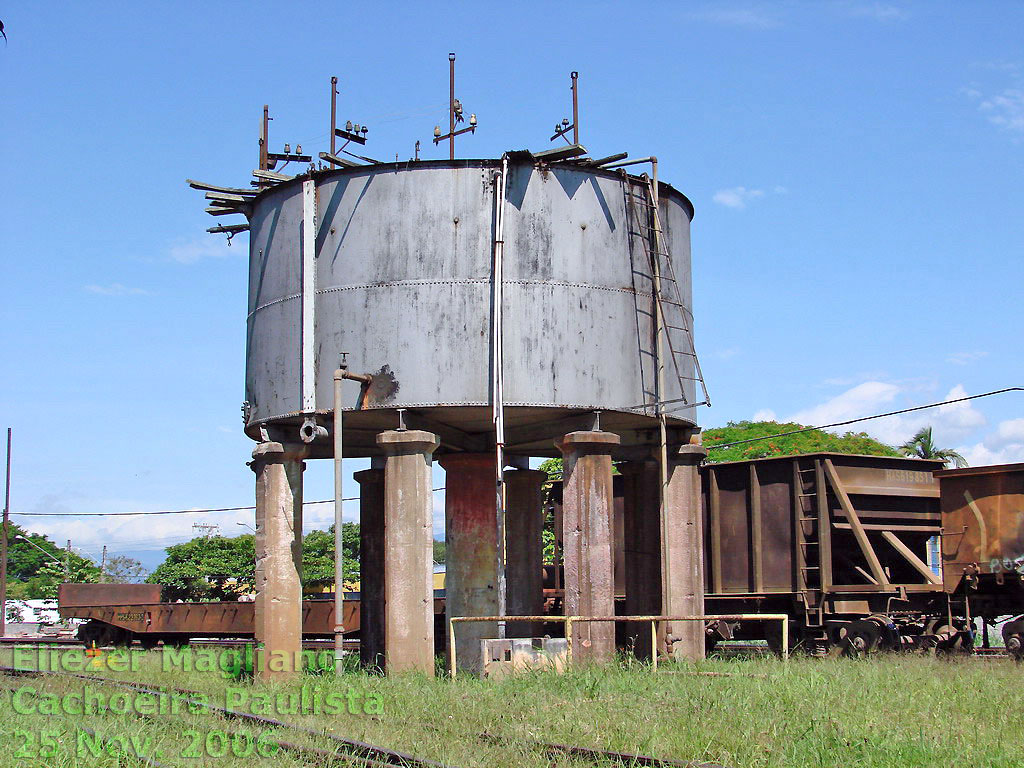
(1005, 110)
(208, 247)
(1003, 446)
(965, 358)
(876, 11)
(727, 353)
(736, 197)
(765, 414)
(115, 289)
(438, 515)
(949, 422)
(750, 18)
(861, 400)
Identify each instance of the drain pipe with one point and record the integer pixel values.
(340, 374)
(498, 384)
(339, 554)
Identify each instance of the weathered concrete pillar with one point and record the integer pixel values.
(642, 523)
(371, 567)
(278, 606)
(408, 556)
(682, 558)
(524, 550)
(587, 530)
(471, 550)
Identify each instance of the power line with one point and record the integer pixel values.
(864, 418)
(169, 511)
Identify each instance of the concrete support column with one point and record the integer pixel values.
(642, 523)
(371, 571)
(524, 550)
(587, 524)
(278, 606)
(471, 550)
(682, 559)
(408, 556)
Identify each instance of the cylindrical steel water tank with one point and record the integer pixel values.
(403, 271)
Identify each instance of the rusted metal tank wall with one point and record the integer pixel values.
(982, 522)
(404, 283)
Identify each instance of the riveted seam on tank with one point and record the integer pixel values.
(642, 411)
(475, 281)
(275, 301)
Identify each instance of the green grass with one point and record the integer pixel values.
(881, 711)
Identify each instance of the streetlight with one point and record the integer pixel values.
(247, 526)
(65, 562)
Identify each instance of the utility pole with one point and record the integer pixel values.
(67, 563)
(3, 542)
(103, 564)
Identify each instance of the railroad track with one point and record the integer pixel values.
(352, 750)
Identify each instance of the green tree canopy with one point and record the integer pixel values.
(813, 441)
(207, 568)
(922, 446)
(32, 574)
(221, 568)
(121, 569)
(318, 556)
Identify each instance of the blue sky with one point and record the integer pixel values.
(855, 167)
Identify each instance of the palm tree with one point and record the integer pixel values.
(922, 446)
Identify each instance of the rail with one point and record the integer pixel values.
(568, 621)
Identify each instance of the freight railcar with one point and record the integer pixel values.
(983, 545)
(838, 542)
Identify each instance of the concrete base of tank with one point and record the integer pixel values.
(661, 561)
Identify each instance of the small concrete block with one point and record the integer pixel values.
(503, 657)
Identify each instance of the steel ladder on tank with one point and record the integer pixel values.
(676, 318)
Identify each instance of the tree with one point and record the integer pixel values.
(922, 446)
(767, 445)
(121, 569)
(440, 551)
(34, 574)
(208, 568)
(318, 556)
(219, 568)
(76, 569)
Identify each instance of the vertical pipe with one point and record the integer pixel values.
(3, 542)
(339, 521)
(334, 109)
(575, 108)
(308, 351)
(660, 370)
(498, 382)
(451, 106)
(264, 138)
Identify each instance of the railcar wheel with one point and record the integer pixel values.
(865, 636)
(951, 638)
(1013, 638)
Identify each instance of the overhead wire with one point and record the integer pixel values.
(172, 511)
(864, 418)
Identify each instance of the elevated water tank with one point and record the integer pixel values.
(403, 282)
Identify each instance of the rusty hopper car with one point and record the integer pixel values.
(118, 614)
(983, 544)
(838, 542)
